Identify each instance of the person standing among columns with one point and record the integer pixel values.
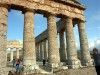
(53, 51)
(86, 58)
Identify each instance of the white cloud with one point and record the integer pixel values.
(94, 43)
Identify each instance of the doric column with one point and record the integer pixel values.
(17, 53)
(37, 52)
(29, 58)
(62, 50)
(41, 51)
(11, 56)
(3, 38)
(86, 58)
(73, 61)
(53, 56)
(45, 50)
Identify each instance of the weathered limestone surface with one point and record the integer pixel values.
(59, 9)
(86, 58)
(3, 39)
(37, 52)
(45, 50)
(41, 51)
(73, 61)
(29, 59)
(62, 50)
(53, 51)
(52, 6)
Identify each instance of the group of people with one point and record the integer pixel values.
(18, 65)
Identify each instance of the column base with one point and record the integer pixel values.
(56, 67)
(74, 63)
(30, 69)
(87, 62)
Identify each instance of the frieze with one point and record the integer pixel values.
(48, 6)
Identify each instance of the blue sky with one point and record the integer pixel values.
(16, 24)
(93, 18)
(92, 13)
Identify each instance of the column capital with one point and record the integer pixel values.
(6, 6)
(49, 14)
(67, 17)
(80, 20)
(27, 10)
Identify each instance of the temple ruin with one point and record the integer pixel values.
(71, 13)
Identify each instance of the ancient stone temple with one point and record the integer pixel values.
(14, 50)
(45, 46)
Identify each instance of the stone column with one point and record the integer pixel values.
(29, 58)
(45, 50)
(3, 38)
(53, 56)
(37, 52)
(62, 47)
(11, 56)
(73, 61)
(17, 53)
(41, 51)
(86, 58)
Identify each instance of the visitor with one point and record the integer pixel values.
(13, 61)
(44, 62)
(17, 65)
(96, 57)
(21, 66)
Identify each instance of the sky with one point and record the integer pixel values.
(92, 13)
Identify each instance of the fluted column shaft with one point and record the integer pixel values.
(37, 52)
(45, 50)
(53, 55)
(29, 40)
(86, 58)
(41, 51)
(71, 46)
(62, 47)
(3, 38)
